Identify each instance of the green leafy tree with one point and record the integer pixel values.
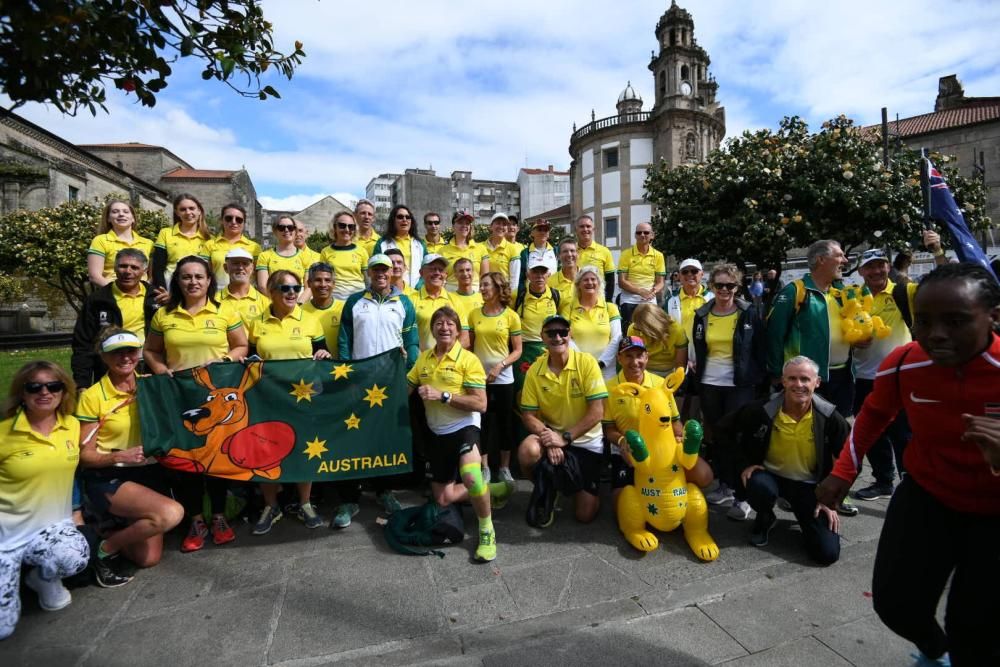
(318, 240)
(768, 192)
(54, 249)
(65, 52)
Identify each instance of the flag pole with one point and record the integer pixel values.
(925, 186)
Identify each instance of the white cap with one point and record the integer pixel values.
(239, 253)
(536, 262)
(499, 216)
(430, 258)
(690, 261)
(121, 341)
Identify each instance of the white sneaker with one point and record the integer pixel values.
(486, 474)
(720, 496)
(740, 511)
(52, 595)
(505, 476)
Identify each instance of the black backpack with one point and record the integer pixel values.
(411, 530)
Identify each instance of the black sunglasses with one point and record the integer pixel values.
(730, 287)
(346, 225)
(289, 288)
(232, 218)
(433, 222)
(403, 216)
(54, 387)
(641, 233)
(285, 228)
(689, 272)
(556, 333)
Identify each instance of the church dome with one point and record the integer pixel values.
(629, 94)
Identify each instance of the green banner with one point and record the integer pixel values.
(288, 421)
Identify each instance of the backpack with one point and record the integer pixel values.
(522, 295)
(411, 530)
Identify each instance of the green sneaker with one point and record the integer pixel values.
(389, 502)
(345, 512)
(487, 549)
(500, 493)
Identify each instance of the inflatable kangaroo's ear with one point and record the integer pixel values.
(251, 375)
(628, 389)
(673, 381)
(202, 377)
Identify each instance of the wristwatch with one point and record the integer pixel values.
(445, 397)
(567, 438)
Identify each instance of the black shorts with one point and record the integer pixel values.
(444, 451)
(99, 484)
(622, 474)
(589, 464)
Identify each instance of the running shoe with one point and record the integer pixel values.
(500, 493)
(389, 502)
(52, 595)
(925, 661)
(268, 517)
(195, 539)
(874, 492)
(221, 532)
(740, 511)
(487, 549)
(346, 512)
(307, 513)
(720, 496)
(108, 573)
(505, 476)
(784, 505)
(847, 509)
(762, 527)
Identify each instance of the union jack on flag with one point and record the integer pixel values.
(944, 209)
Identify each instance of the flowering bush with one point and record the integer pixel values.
(767, 192)
(50, 244)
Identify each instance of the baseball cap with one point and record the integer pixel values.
(463, 215)
(499, 216)
(121, 341)
(378, 259)
(239, 253)
(690, 261)
(554, 318)
(434, 257)
(538, 224)
(872, 255)
(631, 343)
(536, 262)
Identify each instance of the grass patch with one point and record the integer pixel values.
(12, 360)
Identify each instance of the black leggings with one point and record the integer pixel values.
(190, 488)
(922, 544)
(498, 422)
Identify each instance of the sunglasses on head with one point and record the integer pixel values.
(285, 228)
(689, 272)
(556, 333)
(233, 218)
(726, 286)
(54, 387)
(346, 225)
(285, 289)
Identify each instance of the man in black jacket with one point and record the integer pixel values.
(127, 302)
(784, 446)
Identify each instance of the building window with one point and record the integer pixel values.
(611, 231)
(611, 158)
(73, 194)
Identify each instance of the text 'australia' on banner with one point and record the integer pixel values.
(281, 421)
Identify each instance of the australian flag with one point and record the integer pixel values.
(944, 209)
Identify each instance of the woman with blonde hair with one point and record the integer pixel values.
(188, 236)
(41, 448)
(285, 255)
(348, 259)
(233, 218)
(115, 231)
(665, 339)
(596, 323)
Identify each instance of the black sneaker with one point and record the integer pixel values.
(762, 527)
(847, 509)
(107, 573)
(874, 492)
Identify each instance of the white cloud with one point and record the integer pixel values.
(299, 202)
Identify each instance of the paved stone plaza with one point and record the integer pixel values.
(569, 595)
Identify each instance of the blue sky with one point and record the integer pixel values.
(492, 88)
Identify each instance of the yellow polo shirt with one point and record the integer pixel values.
(565, 286)
(217, 249)
(435, 247)
(310, 256)
(457, 370)
(492, 335)
(290, 337)
(534, 310)
(641, 269)
(119, 411)
(108, 245)
(425, 305)
(468, 302)
(561, 400)
(191, 340)
(369, 243)
(36, 477)
(792, 450)
(133, 309)
(623, 411)
(473, 252)
(271, 261)
(501, 256)
(662, 353)
(596, 255)
(591, 327)
(689, 304)
(179, 246)
(349, 266)
(248, 307)
(329, 319)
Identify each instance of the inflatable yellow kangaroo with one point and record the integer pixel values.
(857, 322)
(660, 495)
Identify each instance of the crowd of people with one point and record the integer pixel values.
(494, 329)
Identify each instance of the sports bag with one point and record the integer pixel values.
(411, 530)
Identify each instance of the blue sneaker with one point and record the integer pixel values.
(309, 516)
(269, 517)
(925, 661)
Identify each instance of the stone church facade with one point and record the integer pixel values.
(610, 156)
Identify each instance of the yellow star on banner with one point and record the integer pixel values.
(353, 422)
(302, 390)
(341, 371)
(375, 395)
(315, 448)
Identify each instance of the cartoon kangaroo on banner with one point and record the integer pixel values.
(232, 449)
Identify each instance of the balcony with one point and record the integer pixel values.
(610, 121)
